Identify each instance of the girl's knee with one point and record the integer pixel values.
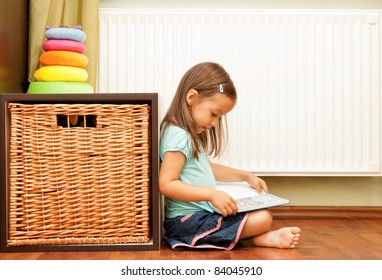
(258, 222)
(265, 218)
(261, 218)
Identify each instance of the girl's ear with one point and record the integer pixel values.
(191, 96)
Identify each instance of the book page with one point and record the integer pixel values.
(248, 199)
(237, 189)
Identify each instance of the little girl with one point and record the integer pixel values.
(192, 130)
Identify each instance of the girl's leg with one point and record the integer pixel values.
(258, 222)
(258, 227)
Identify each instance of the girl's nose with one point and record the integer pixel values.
(214, 122)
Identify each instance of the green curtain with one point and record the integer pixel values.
(68, 13)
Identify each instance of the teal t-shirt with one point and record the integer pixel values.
(196, 172)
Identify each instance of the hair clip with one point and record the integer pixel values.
(221, 88)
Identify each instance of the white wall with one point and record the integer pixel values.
(243, 4)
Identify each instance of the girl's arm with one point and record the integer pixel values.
(170, 186)
(227, 174)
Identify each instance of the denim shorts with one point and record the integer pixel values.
(204, 230)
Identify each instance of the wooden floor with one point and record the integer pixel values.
(325, 238)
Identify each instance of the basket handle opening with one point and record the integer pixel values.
(68, 121)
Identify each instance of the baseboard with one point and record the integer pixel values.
(327, 212)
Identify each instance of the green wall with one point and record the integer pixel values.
(328, 191)
(301, 191)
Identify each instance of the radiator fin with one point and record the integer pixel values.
(308, 82)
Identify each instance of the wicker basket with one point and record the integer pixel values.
(79, 174)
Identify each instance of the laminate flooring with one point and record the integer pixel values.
(321, 239)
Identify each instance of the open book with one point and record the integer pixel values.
(248, 199)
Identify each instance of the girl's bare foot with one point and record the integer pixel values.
(286, 237)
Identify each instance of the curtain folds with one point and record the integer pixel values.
(68, 13)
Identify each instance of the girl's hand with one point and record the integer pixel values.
(224, 203)
(258, 184)
(227, 174)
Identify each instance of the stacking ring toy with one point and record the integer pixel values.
(61, 74)
(63, 45)
(64, 58)
(65, 33)
(59, 87)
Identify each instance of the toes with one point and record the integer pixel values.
(295, 230)
(295, 240)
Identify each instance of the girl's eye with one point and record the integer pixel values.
(214, 115)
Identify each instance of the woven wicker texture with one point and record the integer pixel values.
(79, 174)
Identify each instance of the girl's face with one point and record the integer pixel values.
(206, 111)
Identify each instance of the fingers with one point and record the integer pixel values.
(227, 212)
(224, 203)
(263, 186)
(229, 209)
(260, 186)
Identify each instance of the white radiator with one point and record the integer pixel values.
(308, 82)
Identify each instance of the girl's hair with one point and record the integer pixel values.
(206, 78)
